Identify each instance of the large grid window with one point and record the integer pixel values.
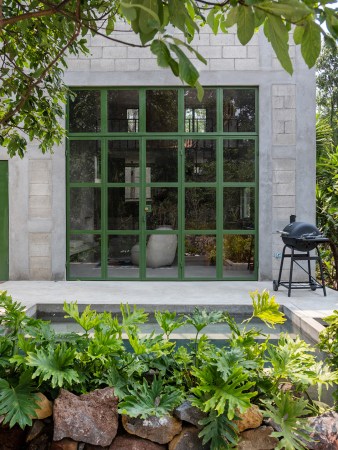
(161, 185)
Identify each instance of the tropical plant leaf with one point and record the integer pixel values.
(88, 320)
(130, 318)
(168, 321)
(113, 378)
(266, 308)
(154, 400)
(216, 393)
(18, 402)
(14, 314)
(288, 413)
(219, 431)
(200, 318)
(54, 364)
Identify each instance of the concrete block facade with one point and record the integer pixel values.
(286, 144)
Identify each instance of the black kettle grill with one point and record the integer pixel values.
(301, 237)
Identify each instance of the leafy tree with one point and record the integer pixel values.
(327, 159)
(327, 88)
(36, 35)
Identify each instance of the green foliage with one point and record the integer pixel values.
(150, 400)
(151, 374)
(18, 401)
(219, 431)
(328, 342)
(266, 308)
(288, 412)
(168, 321)
(87, 320)
(54, 365)
(220, 393)
(33, 92)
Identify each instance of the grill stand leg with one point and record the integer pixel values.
(321, 270)
(281, 266)
(309, 268)
(291, 270)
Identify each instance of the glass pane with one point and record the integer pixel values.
(123, 205)
(123, 256)
(239, 208)
(239, 160)
(238, 255)
(85, 112)
(200, 208)
(123, 111)
(85, 256)
(85, 161)
(161, 255)
(162, 208)
(200, 117)
(123, 162)
(162, 110)
(200, 160)
(239, 110)
(162, 160)
(85, 208)
(200, 257)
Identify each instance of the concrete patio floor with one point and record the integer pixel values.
(306, 302)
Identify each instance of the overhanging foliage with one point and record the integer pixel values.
(36, 35)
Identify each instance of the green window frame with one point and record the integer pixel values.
(99, 234)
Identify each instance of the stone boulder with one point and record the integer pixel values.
(156, 429)
(91, 418)
(187, 440)
(188, 413)
(251, 418)
(12, 438)
(134, 443)
(64, 444)
(35, 430)
(325, 431)
(257, 439)
(45, 407)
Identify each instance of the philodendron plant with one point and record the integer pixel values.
(152, 373)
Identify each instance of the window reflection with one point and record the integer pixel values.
(200, 160)
(85, 208)
(162, 110)
(239, 160)
(200, 208)
(239, 208)
(239, 110)
(85, 112)
(85, 161)
(162, 160)
(199, 116)
(123, 111)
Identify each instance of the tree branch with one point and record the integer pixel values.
(32, 86)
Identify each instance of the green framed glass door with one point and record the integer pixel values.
(4, 221)
(161, 186)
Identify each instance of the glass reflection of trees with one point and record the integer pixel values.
(239, 110)
(239, 160)
(200, 208)
(163, 208)
(162, 110)
(200, 117)
(123, 111)
(85, 112)
(200, 160)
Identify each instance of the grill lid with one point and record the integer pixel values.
(302, 236)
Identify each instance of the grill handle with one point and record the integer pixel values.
(283, 233)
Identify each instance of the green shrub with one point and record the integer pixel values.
(221, 381)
